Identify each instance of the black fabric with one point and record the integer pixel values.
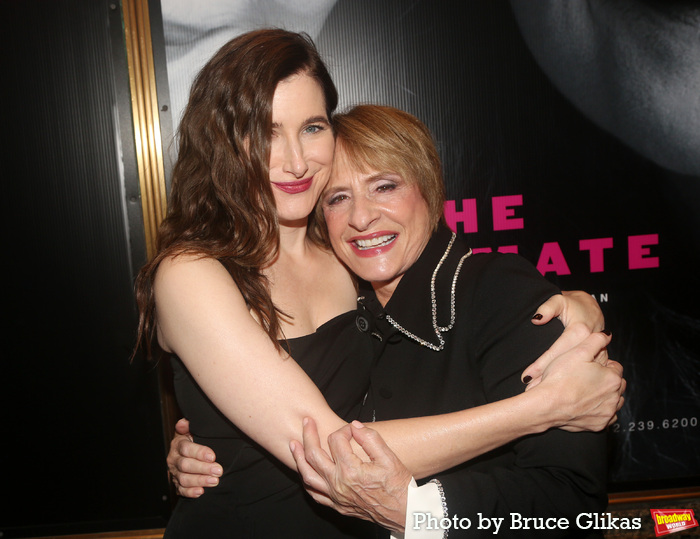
(553, 474)
(257, 496)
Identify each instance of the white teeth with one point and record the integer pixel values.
(379, 241)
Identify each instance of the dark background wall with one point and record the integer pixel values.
(83, 448)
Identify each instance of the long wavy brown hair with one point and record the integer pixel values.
(221, 204)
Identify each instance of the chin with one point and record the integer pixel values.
(293, 215)
(371, 274)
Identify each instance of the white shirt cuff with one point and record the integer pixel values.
(424, 511)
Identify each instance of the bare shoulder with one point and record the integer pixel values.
(194, 292)
(187, 269)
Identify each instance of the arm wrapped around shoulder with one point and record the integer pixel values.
(555, 474)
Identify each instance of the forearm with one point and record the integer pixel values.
(428, 445)
(431, 444)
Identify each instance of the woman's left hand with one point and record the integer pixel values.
(376, 490)
(191, 466)
(583, 388)
(581, 316)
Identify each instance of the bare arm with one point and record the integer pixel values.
(378, 490)
(204, 320)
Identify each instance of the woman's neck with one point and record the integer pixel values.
(385, 289)
(308, 283)
(293, 238)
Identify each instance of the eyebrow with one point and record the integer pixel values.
(311, 120)
(374, 177)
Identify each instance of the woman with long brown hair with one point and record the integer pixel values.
(243, 281)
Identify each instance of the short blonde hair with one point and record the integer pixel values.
(386, 139)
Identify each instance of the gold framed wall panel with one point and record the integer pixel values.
(146, 120)
(150, 162)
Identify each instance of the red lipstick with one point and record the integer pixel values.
(294, 187)
(373, 244)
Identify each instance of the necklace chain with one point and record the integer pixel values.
(439, 330)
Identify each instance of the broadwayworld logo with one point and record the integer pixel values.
(672, 520)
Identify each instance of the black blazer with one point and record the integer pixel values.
(554, 474)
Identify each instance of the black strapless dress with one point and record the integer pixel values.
(257, 496)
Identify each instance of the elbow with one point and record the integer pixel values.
(579, 493)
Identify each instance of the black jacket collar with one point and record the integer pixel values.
(411, 305)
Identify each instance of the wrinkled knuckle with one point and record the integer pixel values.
(372, 434)
(577, 294)
(307, 481)
(180, 448)
(581, 355)
(579, 330)
(182, 465)
(185, 481)
(312, 455)
(343, 510)
(612, 379)
(350, 474)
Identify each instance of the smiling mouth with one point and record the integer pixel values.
(373, 243)
(294, 187)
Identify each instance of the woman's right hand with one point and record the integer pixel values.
(584, 388)
(191, 466)
(581, 316)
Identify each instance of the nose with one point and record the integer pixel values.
(294, 158)
(363, 213)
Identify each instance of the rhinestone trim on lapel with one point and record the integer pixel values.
(438, 329)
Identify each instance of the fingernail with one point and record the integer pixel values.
(305, 421)
(357, 424)
(527, 379)
(537, 316)
(212, 481)
(607, 332)
(217, 470)
(292, 446)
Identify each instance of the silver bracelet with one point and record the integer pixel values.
(443, 502)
